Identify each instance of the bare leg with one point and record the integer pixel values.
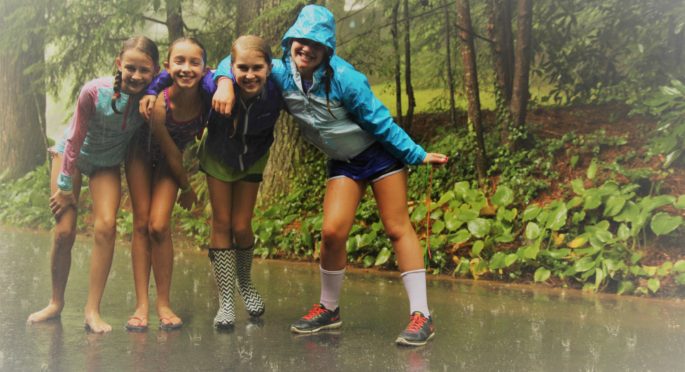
(391, 196)
(339, 207)
(60, 253)
(138, 175)
(243, 202)
(220, 197)
(163, 198)
(105, 188)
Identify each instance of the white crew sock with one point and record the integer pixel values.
(415, 284)
(331, 284)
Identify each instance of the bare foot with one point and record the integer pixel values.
(51, 311)
(95, 324)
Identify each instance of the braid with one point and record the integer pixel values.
(117, 91)
(327, 78)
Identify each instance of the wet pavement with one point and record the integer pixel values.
(480, 326)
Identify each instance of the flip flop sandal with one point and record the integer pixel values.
(165, 323)
(141, 327)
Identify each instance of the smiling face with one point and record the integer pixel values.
(186, 64)
(307, 56)
(251, 70)
(137, 70)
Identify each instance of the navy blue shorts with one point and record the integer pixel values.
(371, 165)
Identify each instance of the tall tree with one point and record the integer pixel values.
(502, 45)
(448, 63)
(174, 19)
(520, 94)
(398, 69)
(23, 144)
(468, 54)
(500, 33)
(411, 100)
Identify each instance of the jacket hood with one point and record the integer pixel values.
(314, 23)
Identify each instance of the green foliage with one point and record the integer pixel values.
(601, 50)
(668, 104)
(24, 202)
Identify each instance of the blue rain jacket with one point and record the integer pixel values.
(359, 118)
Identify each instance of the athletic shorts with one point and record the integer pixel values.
(219, 170)
(372, 164)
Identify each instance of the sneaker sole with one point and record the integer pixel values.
(314, 330)
(405, 342)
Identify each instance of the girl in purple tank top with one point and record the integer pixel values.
(155, 174)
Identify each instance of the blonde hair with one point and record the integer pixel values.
(252, 42)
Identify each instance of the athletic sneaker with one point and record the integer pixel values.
(419, 330)
(317, 319)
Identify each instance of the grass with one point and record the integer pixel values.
(437, 99)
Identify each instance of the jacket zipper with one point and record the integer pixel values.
(247, 122)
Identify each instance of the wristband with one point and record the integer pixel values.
(66, 192)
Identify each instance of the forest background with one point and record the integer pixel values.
(564, 123)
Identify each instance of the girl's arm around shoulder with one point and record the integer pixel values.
(164, 80)
(374, 117)
(173, 155)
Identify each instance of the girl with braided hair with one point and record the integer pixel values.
(337, 112)
(95, 144)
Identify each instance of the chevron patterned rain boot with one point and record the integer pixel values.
(223, 263)
(253, 301)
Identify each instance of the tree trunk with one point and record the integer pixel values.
(520, 95)
(246, 11)
(285, 155)
(23, 143)
(448, 63)
(499, 30)
(174, 19)
(407, 69)
(468, 54)
(398, 71)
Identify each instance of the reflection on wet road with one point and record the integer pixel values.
(479, 326)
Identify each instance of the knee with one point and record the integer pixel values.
(221, 227)
(158, 230)
(105, 228)
(140, 227)
(64, 237)
(396, 231)
(242, 232)
(332, 236)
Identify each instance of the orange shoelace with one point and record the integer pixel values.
(315, 311)
(416, 322)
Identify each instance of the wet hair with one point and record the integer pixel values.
(142, 44)
(327, 77)
(191, 40)
(252, 42)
